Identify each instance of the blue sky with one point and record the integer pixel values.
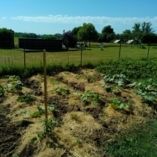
(53, 16)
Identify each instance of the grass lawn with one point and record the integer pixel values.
(14, 57)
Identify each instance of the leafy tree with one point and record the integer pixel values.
(108, 34)
(87, 33)
(147, 28)
(149, 38)
(142, 30)
(69, 40)
(6, 38)
(75, 31)
(126, 35)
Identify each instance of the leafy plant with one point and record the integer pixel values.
(148, 90)
(48, 127)
(26, 98)
(14, 84)
(118, 79)
(133, 69)
(40, 111)
(62, 91)
(120, 105)
(90, 97)
(1, 91)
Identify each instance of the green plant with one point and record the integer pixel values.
(48, 127)
(120, 105)
(90, 97)
(133, 69)
(1, 91)
(26, 98)
(14, 84)
(40, 111)
(139, 141)
(147, 89)
(62, 91)
(118, 79)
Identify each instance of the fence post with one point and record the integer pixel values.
(24, 59)
(148, 52)
(120, 48)
(45, 87)
(81, 54)
(68, 58)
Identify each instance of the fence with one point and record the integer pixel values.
(94, 54)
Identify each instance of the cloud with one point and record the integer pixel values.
(65, 19)
(3, 18)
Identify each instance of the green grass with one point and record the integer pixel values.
(14, 57)
(139, 142)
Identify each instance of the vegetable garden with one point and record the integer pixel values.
(106, 111)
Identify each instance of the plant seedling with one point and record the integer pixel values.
(62, 91)
(26, 98)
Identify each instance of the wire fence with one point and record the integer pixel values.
(93, 55)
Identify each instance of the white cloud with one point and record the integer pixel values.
(65, 19)
(3, 18)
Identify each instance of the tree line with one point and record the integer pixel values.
(140, 33)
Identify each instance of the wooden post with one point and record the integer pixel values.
(68, 58)
(148, 52)
(24, 59)
(45, 86)
(81, 54)
(120, 48)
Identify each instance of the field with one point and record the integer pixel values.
(93, 55)
(108, 111)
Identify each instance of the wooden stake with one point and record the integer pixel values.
(45, 85)
(148, 52)
(24, 58)
(81, 54)
(120, 48)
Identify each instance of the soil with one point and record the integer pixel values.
(9, 134)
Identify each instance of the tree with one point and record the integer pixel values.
(87, 33)
(147, 28)
(142, 30)
(126, 35)
(75, 31)
(108, 34)
(6, 38)
(69, 40)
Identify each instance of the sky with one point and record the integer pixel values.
(54, 16)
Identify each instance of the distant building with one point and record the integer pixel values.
(116, 41)
(130, 41)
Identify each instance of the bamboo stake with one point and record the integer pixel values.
(45, 85)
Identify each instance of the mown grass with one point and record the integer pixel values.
(94, 55)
